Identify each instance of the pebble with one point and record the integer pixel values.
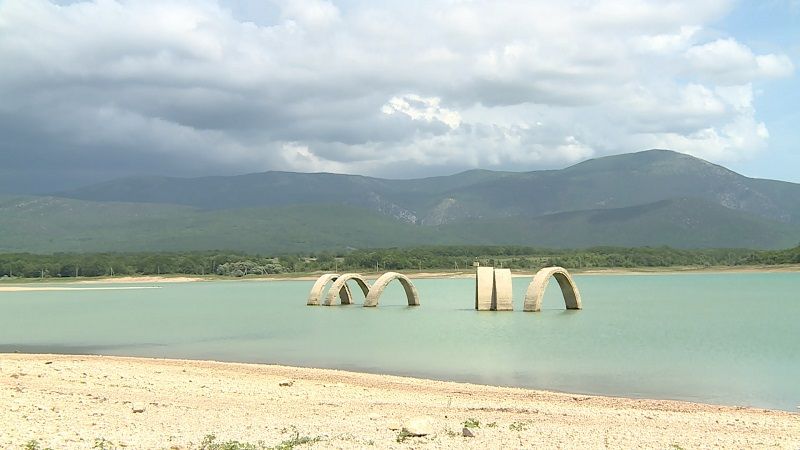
(137, 407)
(395, 425)
(418, 426)
(466, 432)
(286, 383)
(374, 416)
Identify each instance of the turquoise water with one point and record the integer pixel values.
(715, 338)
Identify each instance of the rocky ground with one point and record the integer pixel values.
(112, 402)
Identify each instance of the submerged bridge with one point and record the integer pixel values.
(494, 292)
(493, 289)
(372, 294)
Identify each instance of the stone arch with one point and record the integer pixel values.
(384, 280)
(533, 297)
(319, 286)
(341, 283)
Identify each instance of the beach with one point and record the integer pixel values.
(33, 284)
(64, 401)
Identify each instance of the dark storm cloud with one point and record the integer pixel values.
(98, 89)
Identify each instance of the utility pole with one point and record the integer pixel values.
(76, 271)
(43, 274)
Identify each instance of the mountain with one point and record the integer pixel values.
(655, 197)
(610, 182)
(684, 223)
(51, 224)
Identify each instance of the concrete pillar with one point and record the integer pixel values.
(502, 291)
(484, 285)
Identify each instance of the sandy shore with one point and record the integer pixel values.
(72, 401)
(141, 279)
(65, 288)
(10, 285)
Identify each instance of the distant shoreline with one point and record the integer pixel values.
(10, 284)
(66, 401)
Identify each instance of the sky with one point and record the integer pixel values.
(96, 90)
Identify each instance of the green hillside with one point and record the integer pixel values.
(680, 223)
(48, 224)
(612, 182)
(649, 198)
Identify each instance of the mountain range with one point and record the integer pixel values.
(650, 198)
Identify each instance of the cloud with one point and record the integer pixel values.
(207, 87)
(422, 108)
(310, 13)
(726, 60)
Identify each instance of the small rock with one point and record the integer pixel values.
(395, 425)
(418, 426)
(137, 407)
(374, 416)
(286, 383)
(466, 432)
(14, 408)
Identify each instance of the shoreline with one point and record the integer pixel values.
(67, 401)
(10, 285)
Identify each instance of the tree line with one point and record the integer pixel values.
(69, 265)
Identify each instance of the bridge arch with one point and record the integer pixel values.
(533, 297)
(380, 284)
(319, 287)
(341, 283)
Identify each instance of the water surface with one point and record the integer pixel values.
(714, 338)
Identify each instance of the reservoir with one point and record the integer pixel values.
(730, 338)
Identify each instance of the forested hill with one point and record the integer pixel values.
(611, 182)
(651, 198)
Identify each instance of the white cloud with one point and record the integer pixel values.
(310, 13)
(422, 108)
(363, 87)
(668, 43)
(726, 60)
